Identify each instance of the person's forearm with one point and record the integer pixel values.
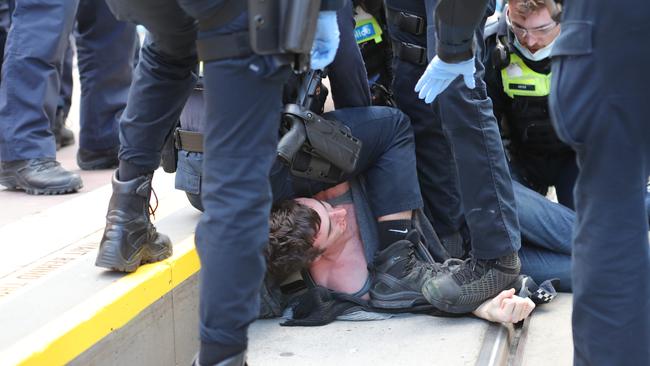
(404, 215)
(456, 21)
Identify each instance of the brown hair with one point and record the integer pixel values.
(526, 7)
(293, 229)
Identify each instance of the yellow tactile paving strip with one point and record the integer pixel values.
(63, 339)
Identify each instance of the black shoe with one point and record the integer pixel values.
(62, 135)
(39, 176)
(399, 275)
(94, 160)
(467, 286)
(130, 239)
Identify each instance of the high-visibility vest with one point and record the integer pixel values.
(521, 80)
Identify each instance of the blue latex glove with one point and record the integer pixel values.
(326, 40)
(439, 75)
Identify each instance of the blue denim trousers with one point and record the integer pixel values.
(546, 231)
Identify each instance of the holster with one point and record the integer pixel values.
(317, 148)
(169, 153)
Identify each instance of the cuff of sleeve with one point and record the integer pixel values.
(454, 53)
(332, 4)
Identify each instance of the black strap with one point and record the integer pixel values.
(223, 14)
(225, 46)
(407, 22)
(189, 141)
(410, 52)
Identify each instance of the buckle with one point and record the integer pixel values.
(407, 22)
(413, 53)
(412, 23)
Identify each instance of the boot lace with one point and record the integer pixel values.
(469, 270)
(152, 210)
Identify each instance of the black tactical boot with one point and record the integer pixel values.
(62, 135)
(100, 159)
(399, 276)
(39, 176)
(130, 239)
(467, 286)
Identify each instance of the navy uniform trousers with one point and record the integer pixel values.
(243, 104)
(461, 164)
(600, 105)
(31, 74)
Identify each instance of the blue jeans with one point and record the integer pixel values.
(546, 230)
(33, 63)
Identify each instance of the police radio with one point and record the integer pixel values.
(312, 146)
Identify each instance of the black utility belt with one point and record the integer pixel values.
(189, 141)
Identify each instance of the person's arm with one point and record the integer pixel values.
(333, 192)
(505, 308)
(455, 22)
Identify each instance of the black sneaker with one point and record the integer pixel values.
(94, 160)
(466, 287)
(39, 176)
(398, 277)
(130, 239)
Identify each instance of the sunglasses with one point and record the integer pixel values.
(537, 32)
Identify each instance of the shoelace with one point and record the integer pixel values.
(413, 261)
(152, 210)
(468, 270)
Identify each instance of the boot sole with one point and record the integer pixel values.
(110, 258)
(15, 184)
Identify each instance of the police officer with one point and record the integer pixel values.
(29, 93)
(243, 103)
(518, 78)
(600, 105)
(461, 163)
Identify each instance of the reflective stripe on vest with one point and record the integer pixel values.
(521, 80)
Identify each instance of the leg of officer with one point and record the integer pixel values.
(604, 119)
(105, 49)
(162, 81)
(29, 94)
(63, 135)
(347, 74)
(437, 171)
(485, 184)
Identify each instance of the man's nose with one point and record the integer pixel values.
(531, 41)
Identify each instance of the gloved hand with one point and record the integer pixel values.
(326, 40)
(439, 75)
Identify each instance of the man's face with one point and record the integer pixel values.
(534, 31)
(332, 221)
